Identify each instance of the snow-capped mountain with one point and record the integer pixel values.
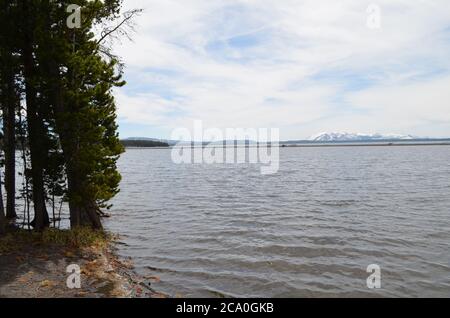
(343, 136)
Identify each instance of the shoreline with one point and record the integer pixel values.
(311, 145)
(41, 271)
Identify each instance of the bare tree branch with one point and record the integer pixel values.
(126, 22)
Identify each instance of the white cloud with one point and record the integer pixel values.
(184, 65)
(406, 106)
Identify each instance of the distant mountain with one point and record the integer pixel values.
(332, 137)
(343, 136)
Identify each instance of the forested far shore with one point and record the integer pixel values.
(57, 107)
(127, 143)
(23, 144)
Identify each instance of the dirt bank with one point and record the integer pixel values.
(34, 268)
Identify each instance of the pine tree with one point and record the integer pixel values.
(96, 147)
(84, 109)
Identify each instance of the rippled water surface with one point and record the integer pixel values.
(309, 230)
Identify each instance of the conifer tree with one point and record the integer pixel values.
(84, 109)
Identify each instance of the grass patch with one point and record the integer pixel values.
(80, 237)
(76, 238)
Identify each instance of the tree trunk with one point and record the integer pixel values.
(9, 101)
(40, 211)
(94, 217)
(9, 119)
(66, 141)
(37, 153)
(2, 211)
(74, 206)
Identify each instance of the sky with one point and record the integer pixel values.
(302, 66)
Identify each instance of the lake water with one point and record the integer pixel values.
(310, 230)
